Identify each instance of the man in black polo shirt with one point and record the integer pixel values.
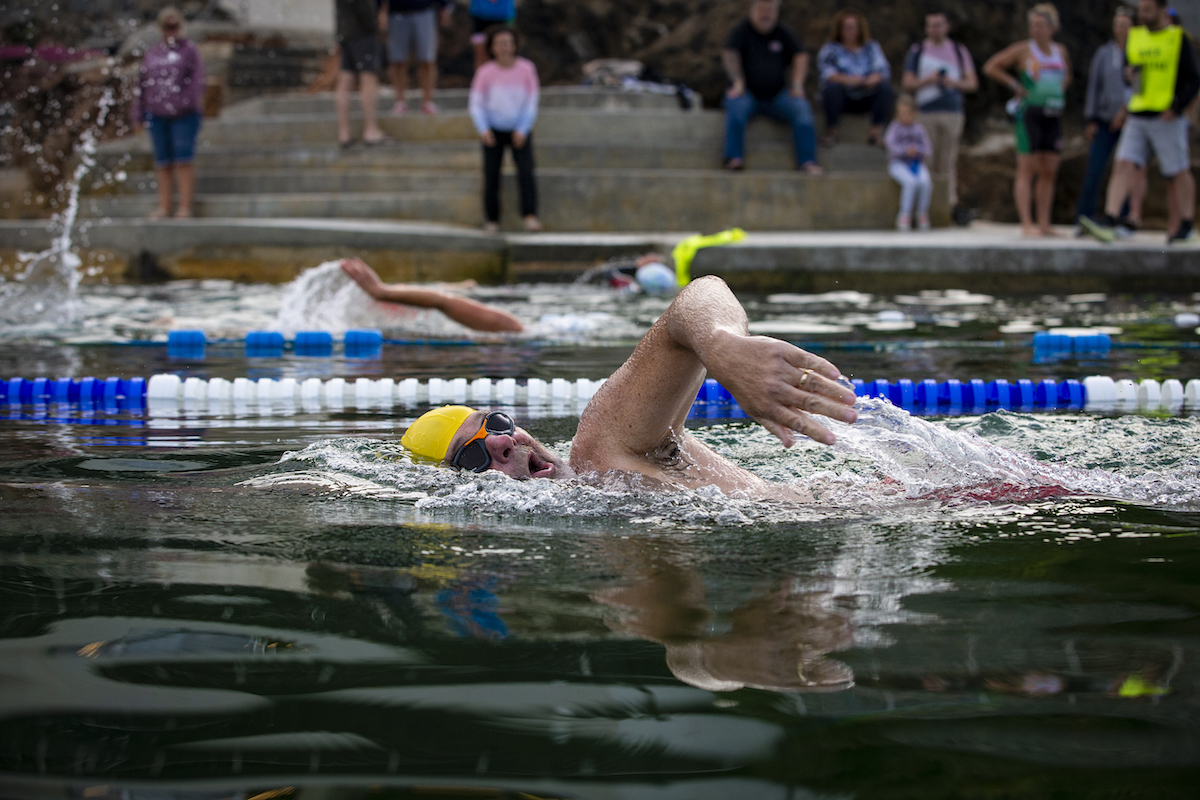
(767, 67)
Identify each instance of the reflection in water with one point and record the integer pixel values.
(776, 640)
(242, 640)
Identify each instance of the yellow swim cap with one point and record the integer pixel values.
(430, 435)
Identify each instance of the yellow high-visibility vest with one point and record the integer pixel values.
(1157, 53)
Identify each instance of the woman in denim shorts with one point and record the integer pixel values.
(168, 100)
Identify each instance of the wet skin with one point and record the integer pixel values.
(518, 456)
(635, 423)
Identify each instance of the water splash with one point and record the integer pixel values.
(44, 295)
(325, 299)
(888, 463)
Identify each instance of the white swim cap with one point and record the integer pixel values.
(656, 277)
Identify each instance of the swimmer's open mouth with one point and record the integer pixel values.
(539, 468)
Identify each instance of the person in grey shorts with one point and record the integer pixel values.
(412, 29)
(1165, 77)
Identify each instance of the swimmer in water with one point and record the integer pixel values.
(463, 310)
(635, 423)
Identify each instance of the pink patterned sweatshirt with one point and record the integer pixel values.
(505, 99)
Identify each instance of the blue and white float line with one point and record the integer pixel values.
(169, 393)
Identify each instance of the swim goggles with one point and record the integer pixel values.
(473, 455)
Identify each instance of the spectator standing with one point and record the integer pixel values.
(484, 15)
(168, 100)
(909, 147)
(1043, 72)
(504, 104)
(412, 34)
(361, 56)
(1162, 67)
(1104, 111)
(854, 75)
(767, 67)
(938, 71)
(412, 29)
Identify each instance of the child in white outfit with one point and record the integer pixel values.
(908, 149)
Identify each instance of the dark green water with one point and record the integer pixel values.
(210, 607)
(183, 614)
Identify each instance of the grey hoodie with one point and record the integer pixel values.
(1106, 90)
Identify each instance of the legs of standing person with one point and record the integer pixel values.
(797, 113)
(1133, 151)
(1099, 153)
(162, 176)
(1183, 187)
(1023, 191)
(523, 156)
(341, 102)
(738, 111)
(1170, 141)
(945, 130)
(427, 79)
(479, 27)
(1132, 208)
(833, 98)
(424, 42)
(493, 156)
(398, 72)
(1046, 168)
(398, 35)
(368, 95)
(183, 145)
(160, 139)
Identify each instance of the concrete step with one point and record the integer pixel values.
(769, 147)
(704, 130)
(595, 200)
(579, 97)
(337, 166)
(323, 180)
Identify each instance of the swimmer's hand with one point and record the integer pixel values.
(779, 385)
(364, 276)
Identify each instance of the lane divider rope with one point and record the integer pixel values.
(928, 397)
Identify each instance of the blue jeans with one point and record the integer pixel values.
(174, 138)
(793, 110)
(1099, 155)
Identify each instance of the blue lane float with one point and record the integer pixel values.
(191, 345)
(925, 398)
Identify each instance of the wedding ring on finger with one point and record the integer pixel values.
(804, 376)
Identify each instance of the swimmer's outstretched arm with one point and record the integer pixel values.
(645, 403)
(463, 310)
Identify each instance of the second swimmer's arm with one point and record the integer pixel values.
(462, 310)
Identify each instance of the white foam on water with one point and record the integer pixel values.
(888, 464)
(325, 299)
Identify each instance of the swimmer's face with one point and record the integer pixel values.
(518, 456)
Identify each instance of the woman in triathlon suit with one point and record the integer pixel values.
(1043, 72)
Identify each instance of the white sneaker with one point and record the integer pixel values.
(400, 108)
(903, 222)
(923, 222)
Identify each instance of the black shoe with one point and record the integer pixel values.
(1103, 229)
(1184, 234)
(962, 216)
(1125, 228)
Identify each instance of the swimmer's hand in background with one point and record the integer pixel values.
(463, 310)
(364, 276)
